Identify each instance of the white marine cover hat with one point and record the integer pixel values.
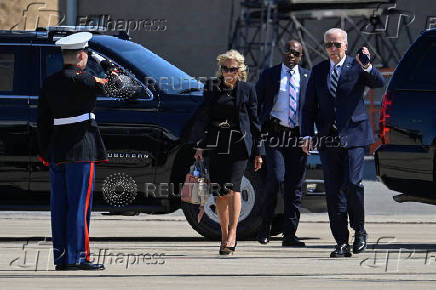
(77, 40)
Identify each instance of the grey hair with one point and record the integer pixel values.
(336, 30)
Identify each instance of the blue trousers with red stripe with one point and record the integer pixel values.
(72, 185)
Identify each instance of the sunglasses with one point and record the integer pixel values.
(331, 44)
(291, 51)
(229, 69)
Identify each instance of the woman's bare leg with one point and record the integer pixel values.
(234, 211)
(222, 208)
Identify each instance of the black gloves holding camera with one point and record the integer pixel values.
(112, 73)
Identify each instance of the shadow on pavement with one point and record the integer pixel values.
(133, 239)
(112, 239)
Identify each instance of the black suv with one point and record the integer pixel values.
(406, 160)
(147, 162)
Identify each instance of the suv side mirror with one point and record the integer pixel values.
(141, 93)
(132, 89)
(148, 94)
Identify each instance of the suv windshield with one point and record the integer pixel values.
(150, 66)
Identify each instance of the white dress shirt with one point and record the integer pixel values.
(280, 109)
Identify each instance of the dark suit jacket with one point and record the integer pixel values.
(267, 88)
(347, 109)
(246, 103)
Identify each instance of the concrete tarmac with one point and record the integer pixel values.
(163, 252)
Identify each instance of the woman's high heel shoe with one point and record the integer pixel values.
(228, 250)
(222, 249)
(232, 248)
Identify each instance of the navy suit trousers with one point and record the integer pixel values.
(343, 174)
(285, 162)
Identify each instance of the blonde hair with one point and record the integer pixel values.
(233, 54)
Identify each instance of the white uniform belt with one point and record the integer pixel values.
(71, 120)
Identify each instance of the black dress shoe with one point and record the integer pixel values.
(60, 267)
(359, 244)
(341, 251)
(292, 242)
(87, 266)
(263, 239)
(264, 233)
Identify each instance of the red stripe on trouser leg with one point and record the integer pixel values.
(88, 195)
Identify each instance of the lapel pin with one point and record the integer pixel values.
(305, 75)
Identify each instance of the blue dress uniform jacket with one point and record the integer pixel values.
(67, 93)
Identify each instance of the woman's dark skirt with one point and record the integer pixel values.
(227, 160)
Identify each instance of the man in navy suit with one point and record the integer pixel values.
(334, 102)
(280, 91)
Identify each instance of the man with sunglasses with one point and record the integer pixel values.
(280, 91)
(334, 102)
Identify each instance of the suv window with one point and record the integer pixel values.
(94, 68)
(52, 61)
(147, 65)
(7, 63)
(417, 67)
(14, 70)
(425, 68)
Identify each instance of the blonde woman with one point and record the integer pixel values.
(229, 115)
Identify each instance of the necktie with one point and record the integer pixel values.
(334, 77)
(292, 120)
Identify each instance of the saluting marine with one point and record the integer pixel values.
(71, 145)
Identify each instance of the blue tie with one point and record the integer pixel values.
(334, 77)
(292, 100)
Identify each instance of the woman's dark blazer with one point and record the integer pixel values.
(246, 104)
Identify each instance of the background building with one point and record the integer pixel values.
(191, 33)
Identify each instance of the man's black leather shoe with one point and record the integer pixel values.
(263, 234)
(87, 266)
(341, 251)
(359, 244)
(60, 267)
(292, 242)
(262, 238)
